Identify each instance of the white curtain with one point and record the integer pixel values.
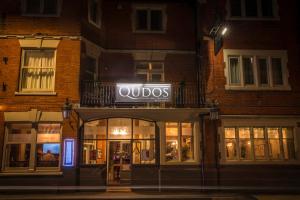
(38, 70)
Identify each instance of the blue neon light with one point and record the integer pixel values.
(68, 152)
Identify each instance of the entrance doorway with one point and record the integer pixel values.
(119, 163)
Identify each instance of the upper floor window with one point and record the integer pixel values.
(94, 12)
(149, 19)
(37, 70)
(252, 9)
(41, 7)
(150, 71)
(256, 70)
(259, 143)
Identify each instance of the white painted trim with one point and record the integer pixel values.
(99, 17)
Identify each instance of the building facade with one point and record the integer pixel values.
(99, 93)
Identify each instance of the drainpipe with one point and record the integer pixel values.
(202, 132)
(79, 133)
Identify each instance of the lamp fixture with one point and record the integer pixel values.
(67, 109)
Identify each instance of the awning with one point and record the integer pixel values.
(32, 116)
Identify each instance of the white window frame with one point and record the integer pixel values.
(34, 91)
(149, 7)
(259, 12)
(32, 168)
(99, 17)
(264, 122)
(195, 129)
(269, 54)
(40, 14)
(149, 71)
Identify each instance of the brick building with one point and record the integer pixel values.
(126, 92)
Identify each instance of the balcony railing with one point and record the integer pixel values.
(102, 94)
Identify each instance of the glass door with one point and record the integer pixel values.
(119, 164)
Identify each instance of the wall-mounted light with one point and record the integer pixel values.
(67, 109)
(224, 30)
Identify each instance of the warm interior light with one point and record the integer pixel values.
(224, 31)
(229, 144)
(120, 131)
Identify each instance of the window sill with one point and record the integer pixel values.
(95, 24)
(253, 18)
(34, 173)
(40, 15)
(35, 93)
(181, 163)
(254, 88)
(149, 32)
(261, 162)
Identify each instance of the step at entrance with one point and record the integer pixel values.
(118, 189)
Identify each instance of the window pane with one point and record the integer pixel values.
(267, 8)
(244, 143)
(259, 149)
(248, 71)
(142, 66)
(17, 155)
(143, 129)
(230, 149)
(19, 133)
(262, 69)
(287, 133)
(156, 20)
(95, 129)
(187, 142)
(119, 128)
(277, 71)
(274, 145)
(156, 78)
(48, 155)
(94, 11)
(33, 6)
(143, 152)
(172, 142)
(142, 77)
(229, 132)
(258, 133)
(48, 133)
(234, 70)
(235, 8)
(94, 152)
(288, 149)
(157, 66)
(50, 6)
(251, 8)
(141, 19)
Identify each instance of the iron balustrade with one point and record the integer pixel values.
(102, 94)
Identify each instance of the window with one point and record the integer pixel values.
(37, 70)
(256, 70)
(179, 142)
(94, 13)
(29, 148)
(149, 71)
(41, 7)
(149, 20)
(252, 9)
(259, 143)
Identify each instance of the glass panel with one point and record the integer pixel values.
(142, 77)
(245, 143)
(248, 71)
(48, 155)
(229, 132)
(33, 6)
(143, 152)
(172, 142)
(230, 149)
(95, 129)
(251, 8)
(17, 155)
(48, 133)
(156, 78)
(234, 70)
(187, 142)
(259, 143)
(288, 149)
(277, 71)
(267, 8)
(157, 66)
(50, 6)
(143, 129)
(274, 145)
(258, 133)
(142, 66)
(119, 128)
(287, 133)
(262, 69)
(19, 133)
(156, 20)
(235, 8)
(94, 152)
(141, 19)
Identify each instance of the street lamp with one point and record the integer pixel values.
(67, 109)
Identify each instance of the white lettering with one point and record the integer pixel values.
(156, 89)
(166, 93)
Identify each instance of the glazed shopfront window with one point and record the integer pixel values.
(259, 143)
(30, 148)
(179, 142)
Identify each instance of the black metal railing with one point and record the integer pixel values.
(102, 94)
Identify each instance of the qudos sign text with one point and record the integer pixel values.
(128, 92)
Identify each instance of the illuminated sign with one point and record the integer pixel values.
(128, 92)
(68, 152)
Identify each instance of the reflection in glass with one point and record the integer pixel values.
(17, 155)
(172, 142)
(48, 155)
